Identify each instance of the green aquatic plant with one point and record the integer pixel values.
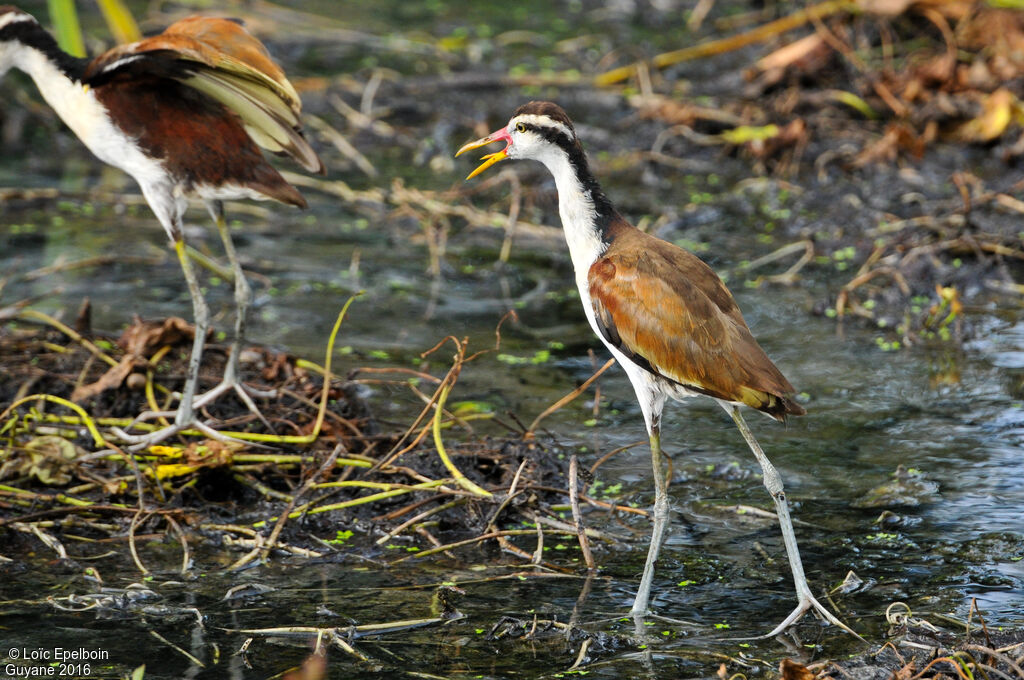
(68, 30)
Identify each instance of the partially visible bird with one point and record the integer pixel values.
(184, 113)
(665, 316)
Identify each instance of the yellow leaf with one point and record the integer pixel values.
(854, 102)
(49, 459)
(165, 451)
(120, 21)
(466, 408)
(996, 115)
(174, 470)
(452, 43)
(749, 133)
(786, 56)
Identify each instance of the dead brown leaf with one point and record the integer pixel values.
(674, 112)
(209, 454)
(810, 47)
(997, 31)
(906, 672)
(889, 8)
(144, 337)
(112, 379)
(791, 670)
(898, 137)
(937, 71)
(138, 341)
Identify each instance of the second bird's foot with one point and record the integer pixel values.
(186, 420)
(138, 442)
(245, 393)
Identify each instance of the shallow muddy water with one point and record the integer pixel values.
(952, 418)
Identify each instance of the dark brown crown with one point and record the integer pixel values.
(549, 109)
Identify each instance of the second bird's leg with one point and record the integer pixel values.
(186, 413)
(773, 482)
(184, 417)
(660, 520)
(243, 297)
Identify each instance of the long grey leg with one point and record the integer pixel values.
(184, 417)
(773, 482)
(661, 514)
(243, 298)
(201, 313)
(243, 293)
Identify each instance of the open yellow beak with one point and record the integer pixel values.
(491, 158)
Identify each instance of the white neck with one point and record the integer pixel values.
(81, 111)
(579, 216)
(68, 98)
(580, 224)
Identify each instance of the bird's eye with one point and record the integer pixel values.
(520, 127)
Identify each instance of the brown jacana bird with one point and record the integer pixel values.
(185, 113)
(665, 316)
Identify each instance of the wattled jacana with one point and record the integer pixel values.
(665, 316)
(184, 113)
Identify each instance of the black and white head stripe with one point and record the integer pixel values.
(12, 15)
(550, 121)
(547, 119)
(540, 123)
(22, 28)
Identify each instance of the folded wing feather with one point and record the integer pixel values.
(221, 59)
(671, 315)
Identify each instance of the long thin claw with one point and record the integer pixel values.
(245, 394)
(807, 603)
(137, 442)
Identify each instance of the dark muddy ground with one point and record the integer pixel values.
(215, 503)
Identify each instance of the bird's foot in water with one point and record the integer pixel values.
(643, 624)
(806, 604)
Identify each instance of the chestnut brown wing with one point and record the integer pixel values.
(669, 313)
(221, 59)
